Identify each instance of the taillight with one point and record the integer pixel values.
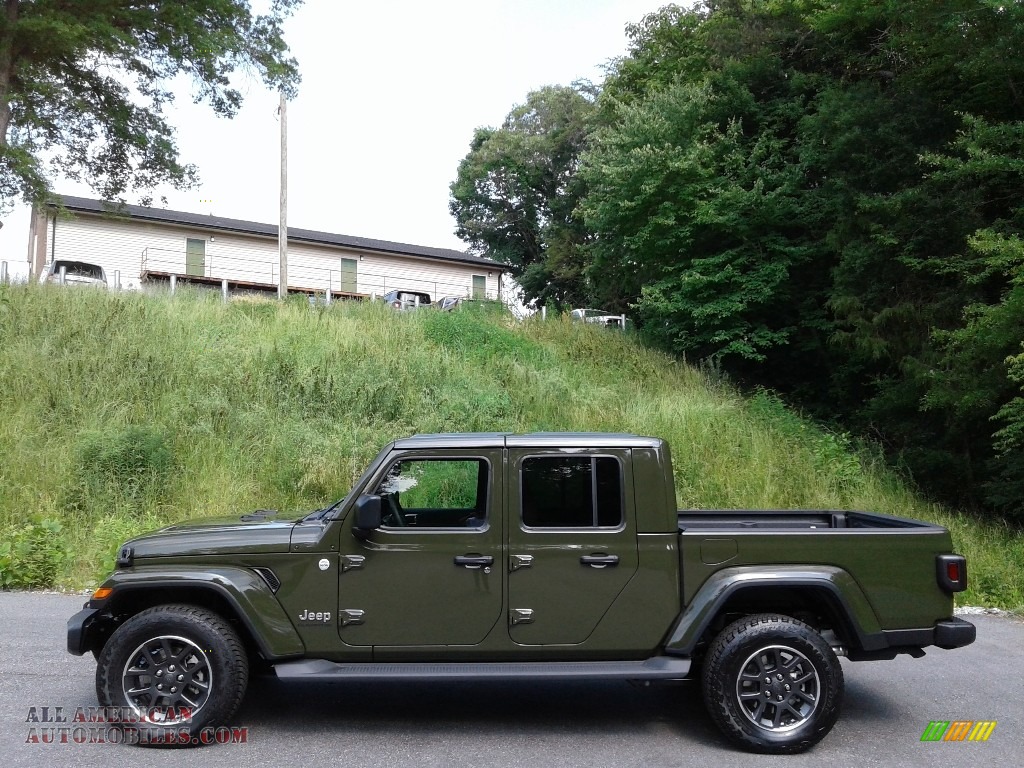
(951, 572)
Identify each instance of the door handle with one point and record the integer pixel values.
(474, 561)
(600, 561)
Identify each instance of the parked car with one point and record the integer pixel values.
(75, 273)
(600, 317)
(404, 300)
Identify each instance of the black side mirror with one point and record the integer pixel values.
(367, 515)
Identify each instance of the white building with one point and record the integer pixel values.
(147, 245)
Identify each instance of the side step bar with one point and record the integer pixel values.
(657, 668)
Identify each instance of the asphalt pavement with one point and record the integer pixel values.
(887, 708)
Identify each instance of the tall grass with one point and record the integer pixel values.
(124, 412)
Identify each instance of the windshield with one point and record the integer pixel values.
(331, 511)
(78, 269)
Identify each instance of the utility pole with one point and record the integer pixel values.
(282, 232)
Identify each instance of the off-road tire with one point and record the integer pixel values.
(772, 684)
(193, 653)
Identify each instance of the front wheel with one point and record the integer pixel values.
(174, 670)
(772, 684)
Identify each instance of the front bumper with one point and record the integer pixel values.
(79, 627)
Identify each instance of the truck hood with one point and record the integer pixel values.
(255, 533)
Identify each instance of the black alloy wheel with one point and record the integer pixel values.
(772, 684)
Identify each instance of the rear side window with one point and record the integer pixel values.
(571, 492)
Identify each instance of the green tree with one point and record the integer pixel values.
(85, 86)
(1007, 489)
(974, 381)
(827, 198)
(516, 193)
(697, 190)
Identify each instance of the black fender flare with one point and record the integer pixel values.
(243, 590)
(837, 584)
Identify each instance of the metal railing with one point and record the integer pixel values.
(300, 277)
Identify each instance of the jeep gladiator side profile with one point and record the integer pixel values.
(495, 556)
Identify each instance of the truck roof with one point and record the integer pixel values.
(530, 440)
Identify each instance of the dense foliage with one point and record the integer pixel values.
(85, 86)
(827, 198)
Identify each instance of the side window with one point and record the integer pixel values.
(435, 493)
(572, 492)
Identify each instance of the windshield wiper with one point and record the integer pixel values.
(320, 514)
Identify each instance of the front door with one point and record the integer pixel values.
(195, 257)
(572, 541)
(479, 287)
(349, 276)
(432, 573)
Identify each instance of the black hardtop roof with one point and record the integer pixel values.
(531, 440)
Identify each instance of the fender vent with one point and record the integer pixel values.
(270, 577)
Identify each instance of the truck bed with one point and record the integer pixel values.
(780, 520)
(892, 559)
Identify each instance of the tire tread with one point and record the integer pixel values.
(717, 696)
(108, 682)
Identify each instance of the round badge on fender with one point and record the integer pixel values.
(324, 564)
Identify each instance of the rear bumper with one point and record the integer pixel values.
(954, 633)
(78, 630)
(948, 634)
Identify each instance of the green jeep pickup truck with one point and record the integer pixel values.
(496, 556)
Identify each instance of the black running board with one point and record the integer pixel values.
(657, 668)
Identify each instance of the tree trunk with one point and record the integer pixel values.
(7, 66)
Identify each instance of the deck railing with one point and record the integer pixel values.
(300, 277)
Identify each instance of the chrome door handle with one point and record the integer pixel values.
(600, 561)
(474, 561)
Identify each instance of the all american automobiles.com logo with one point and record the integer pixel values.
(124, 725)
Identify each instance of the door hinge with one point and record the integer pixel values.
(519, 561)
(351, 616)
(351, 562)
(521, 616)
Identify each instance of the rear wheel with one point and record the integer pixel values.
(174, 670)
(772, 684)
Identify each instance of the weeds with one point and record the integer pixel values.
(31, 554)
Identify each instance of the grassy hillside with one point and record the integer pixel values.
(121, 413)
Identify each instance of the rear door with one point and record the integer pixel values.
(572, 541)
